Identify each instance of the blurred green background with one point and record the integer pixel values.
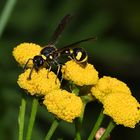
(116, 53)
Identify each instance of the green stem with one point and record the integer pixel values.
(6, 14)
(96, 126)
(32, 118)
(82, 114)
(87, 98)
(78, 129)
(78, 123)
(108, 130)
(21, 118)
(52, 129)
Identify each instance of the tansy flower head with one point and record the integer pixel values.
(79, 75)
(123, 108)
(24, 51)
(64, 105)
(108, 85)
(40, 83)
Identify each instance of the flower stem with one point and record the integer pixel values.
(96, 126)
(109, 128)
(78, 123)
(78, 128)
(52, 129)
(21, 118)
(6, 14)
(32, 118)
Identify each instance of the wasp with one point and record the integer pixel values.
(49, 54)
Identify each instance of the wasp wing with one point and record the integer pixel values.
(60, 28)
(75, 44)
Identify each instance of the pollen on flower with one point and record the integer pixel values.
(108, 85)
(79, 75)
(123, 108)
(24, 51)
(40, 83)
(64, 105)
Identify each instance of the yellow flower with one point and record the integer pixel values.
(108, 85)
(24, 51)
(64, 105)
(39, 84)
(79, 75)
(123, 108)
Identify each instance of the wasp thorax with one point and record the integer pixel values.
(47, 50)
(67, 51)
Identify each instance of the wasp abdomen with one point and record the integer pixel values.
(80, 55)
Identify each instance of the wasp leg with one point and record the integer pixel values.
(58, 70)
(70, 57)
(29, 78)
(50, 67)
(61, 79)
(25, 66)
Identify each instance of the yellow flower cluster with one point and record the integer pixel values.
(114, 94)
(24, 51)
(117, 101)
(123, 108)
(79, 75)
(39, 83)
(108, 85)
(63, 104)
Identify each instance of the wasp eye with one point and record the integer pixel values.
(38, 61)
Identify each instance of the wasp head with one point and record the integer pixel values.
(38, 61)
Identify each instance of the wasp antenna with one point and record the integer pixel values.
(25, 66)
